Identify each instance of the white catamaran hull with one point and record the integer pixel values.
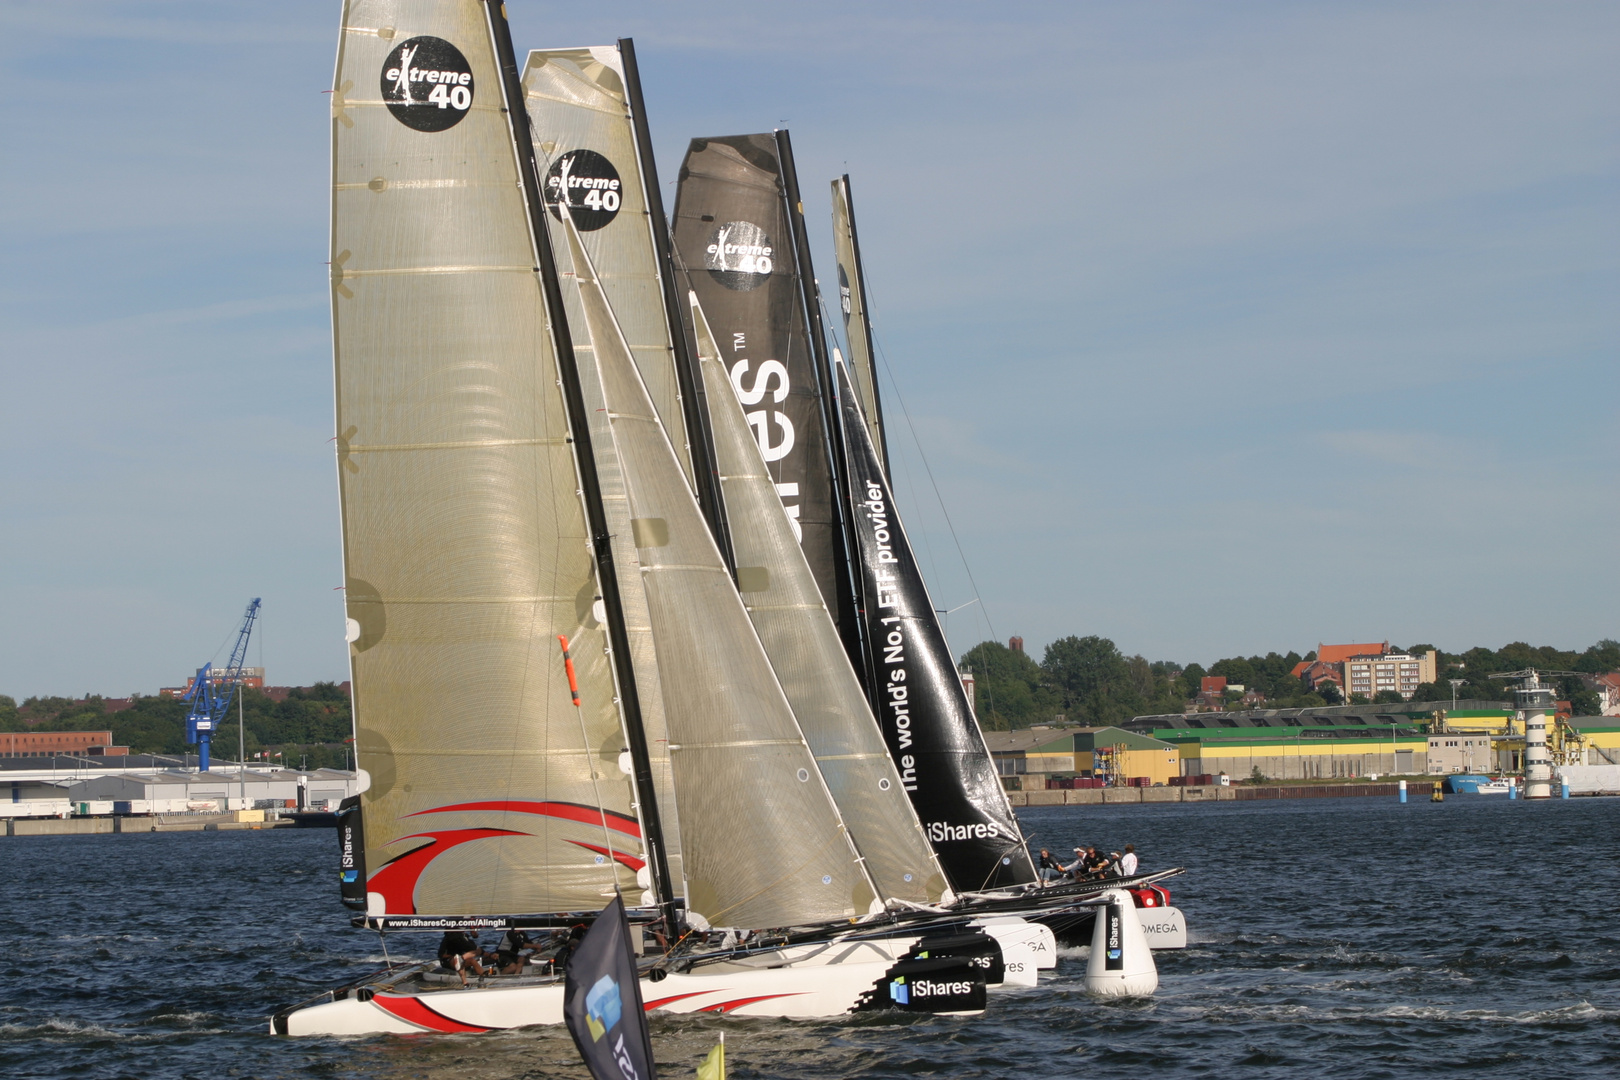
(807, 992)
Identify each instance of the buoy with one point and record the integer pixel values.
(1403, 791)
(1121, 963)
(1438, 796)
(1563, 783)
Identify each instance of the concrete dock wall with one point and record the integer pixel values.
(236, 820)
(1096, 796)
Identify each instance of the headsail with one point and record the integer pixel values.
(857, 320)
(918, 696)
(466, 545)
(763, 842)
(586, 154)
(735, 240)
(803, 646)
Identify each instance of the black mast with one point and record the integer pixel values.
(590, 484)
(694, 403)
(848, 602)
(866, 323)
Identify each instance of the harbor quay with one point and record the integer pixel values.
(1416, 790)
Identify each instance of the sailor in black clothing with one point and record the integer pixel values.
(513, 952)
(1049, 867)
(458, 951)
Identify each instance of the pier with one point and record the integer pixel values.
(1418, 789)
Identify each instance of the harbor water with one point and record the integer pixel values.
(1352, 938)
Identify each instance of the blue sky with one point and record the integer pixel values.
(1224, 328)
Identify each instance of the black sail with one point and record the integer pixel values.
(916, 693)
(735, 248)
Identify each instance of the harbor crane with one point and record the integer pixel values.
(210, 702)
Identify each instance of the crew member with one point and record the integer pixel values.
(1127, 861)
(458, 951)
(1050, 868)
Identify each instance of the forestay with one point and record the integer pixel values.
(804, 649)
(857, 319)
(763, 842)
(464, 536)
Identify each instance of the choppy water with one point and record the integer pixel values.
(1331, 938)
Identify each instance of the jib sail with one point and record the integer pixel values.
(917, 695)
(588, 160)
(737, 217)
(764, 845)
(857, 320)
(803, 646)
(465, 540)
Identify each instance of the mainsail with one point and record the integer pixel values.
(857, 320)
(763, 842)
(923, 710)
(803, 646)
(587, 156)
(738, 240)
(466, 547)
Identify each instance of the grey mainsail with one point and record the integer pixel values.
(917, 695)
(466, 547)
(764, 843)
(738, 235)
(586, 153)
(857, 320)
(802, 643)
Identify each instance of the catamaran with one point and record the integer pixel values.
(523, 545)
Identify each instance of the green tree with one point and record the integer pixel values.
(1009, 689)
(1094, 677)
(1387, 697)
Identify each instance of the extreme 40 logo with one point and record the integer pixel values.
(586, 183)
(427, 84)
(739, 255)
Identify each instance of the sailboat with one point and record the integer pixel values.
(741, 243)
(507, 776)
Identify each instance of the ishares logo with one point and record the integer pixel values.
(739, 255)
(586, 183)
(427, 84)
(899, 992)
(603, 1007)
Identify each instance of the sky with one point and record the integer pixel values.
(1211, 329)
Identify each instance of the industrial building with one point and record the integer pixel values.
(1028, 758)
(61, 786)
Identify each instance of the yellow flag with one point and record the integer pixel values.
(714, 1066)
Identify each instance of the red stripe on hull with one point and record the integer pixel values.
(727, 1006)
(412, 1011)
(651, 1005)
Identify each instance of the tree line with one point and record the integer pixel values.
(1089, 681)
(312, 725)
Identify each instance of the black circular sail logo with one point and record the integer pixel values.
(427, 84)
(740, 256)
(588, 184)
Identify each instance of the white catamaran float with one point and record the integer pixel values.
(521, 536)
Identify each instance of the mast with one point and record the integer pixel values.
(857, 314)
(847, 604)
(578, 422)
(694, 407)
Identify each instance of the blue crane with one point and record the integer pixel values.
(210, 703)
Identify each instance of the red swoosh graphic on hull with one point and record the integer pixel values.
(727, 1006)
(397, 878)
(589, 815)
(412, 1011)
(651, 1005)
(618, 856)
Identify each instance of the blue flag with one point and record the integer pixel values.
(602, 1001)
